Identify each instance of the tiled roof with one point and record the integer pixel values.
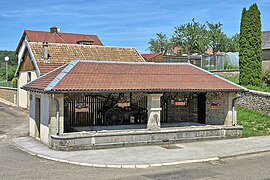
(64, 53)
(57, 37)
(44, 81)
(150, 56)
(94, 76)
(47, 67)
(266, 40)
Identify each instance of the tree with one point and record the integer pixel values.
(217, 39)
(191, 37)
(161, 44)
(233, 43)
(11, 72)
(250, 49)
(12, 64)
(12, 57)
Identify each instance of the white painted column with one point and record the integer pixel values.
(153, 107)
(228, 108)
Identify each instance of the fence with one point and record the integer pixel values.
(8, 84)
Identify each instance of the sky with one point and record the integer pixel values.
(124, 23)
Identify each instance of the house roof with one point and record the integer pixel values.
(96, 76)
(47, 67)
(266, 40)
(57, 37)
(150, 56)
(60, 54)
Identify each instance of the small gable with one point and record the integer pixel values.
(26, 64)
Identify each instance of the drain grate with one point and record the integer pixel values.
(170, 146)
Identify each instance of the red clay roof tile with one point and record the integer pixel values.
(60, 54)
(150, 56)
(57, 37)
(104, 76)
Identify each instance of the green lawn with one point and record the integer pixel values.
(263, 88)
(254, 123)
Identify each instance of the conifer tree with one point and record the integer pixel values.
(250, 50)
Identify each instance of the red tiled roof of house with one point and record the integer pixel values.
(150, 56)
(47, 67)
(60, 54)
(58, 37)
(89, 76)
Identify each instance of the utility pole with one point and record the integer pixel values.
(6, 60)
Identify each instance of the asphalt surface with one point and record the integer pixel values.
(16, 164)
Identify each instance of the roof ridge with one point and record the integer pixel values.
(98, 46)
(127, 62)
(61, 32)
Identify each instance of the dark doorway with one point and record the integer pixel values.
(37, 116)
(201, 108)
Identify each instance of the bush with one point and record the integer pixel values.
(14, 82)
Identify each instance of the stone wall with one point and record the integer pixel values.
(8, 94)
(99, 140)
(226, 73)
(256, 100)
(186, 113)
(215, 115)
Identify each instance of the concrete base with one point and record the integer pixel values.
(122, 138)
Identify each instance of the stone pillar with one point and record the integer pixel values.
(53, 124)
(228, 108)
(153, 107)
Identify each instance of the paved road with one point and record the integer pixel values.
(15, 164)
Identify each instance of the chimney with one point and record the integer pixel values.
(53, 29)
(45, 54)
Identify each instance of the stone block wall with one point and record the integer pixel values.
(227, 73)
(99, 140)
(259, 101)
(181, 113)
(215, 115)
(8, 94)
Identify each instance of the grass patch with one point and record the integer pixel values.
(263, 87)
(254, 123)
(234, 79)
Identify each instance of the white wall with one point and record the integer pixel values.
(44, 118)
(23, 97)
(33, 131)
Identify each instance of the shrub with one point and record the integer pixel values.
(14, 82)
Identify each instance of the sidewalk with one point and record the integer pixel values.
(149, 156)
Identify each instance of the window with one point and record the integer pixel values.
(28, 76)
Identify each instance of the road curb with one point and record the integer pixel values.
(124, 166)
(133, 166)
(244, 154)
